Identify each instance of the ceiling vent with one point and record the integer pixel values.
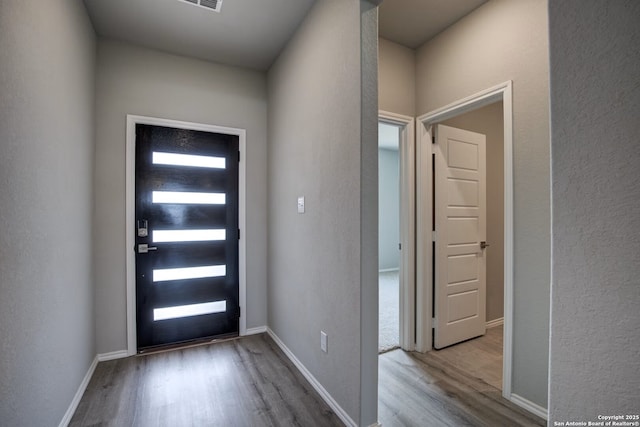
(214, 5)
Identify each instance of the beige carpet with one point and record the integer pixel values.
(388, 311)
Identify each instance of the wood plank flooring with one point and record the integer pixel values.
(250, 382)
(456, 386)
(480, 357)
(242, 382)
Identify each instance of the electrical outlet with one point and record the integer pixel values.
(323, 341)
(301, 204)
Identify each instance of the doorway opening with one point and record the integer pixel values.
(388, 237)
(396, 207)
(468, 275)
(489, 111)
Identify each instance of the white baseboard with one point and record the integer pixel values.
(85, 382)
(495, 322)
(534, 408)
(76, 399)
(103, 357)
(346, 419)
(376, 425)
(256, 330)
(388, 270)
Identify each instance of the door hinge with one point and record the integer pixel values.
(433, 323)
(239, 311)
(433, 139)
(238, 157)
(433, 236)
(238, 234)
(399, 246)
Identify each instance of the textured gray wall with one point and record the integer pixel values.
(489, 121)
(133, 80)
(369, 212)
(508, 40)
(388, 209)
(317, 263)
(47, 58)
(396, 78)
(595, 300)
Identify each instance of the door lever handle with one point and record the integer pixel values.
(483, 245)
(144, 248)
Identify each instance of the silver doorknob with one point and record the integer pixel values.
(483, 245)
(144, 248)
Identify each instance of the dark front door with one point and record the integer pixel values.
(186, 235)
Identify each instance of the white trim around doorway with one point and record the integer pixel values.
(407, 225)
(424, 315)
(132, 120)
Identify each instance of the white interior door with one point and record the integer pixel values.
(460, 225)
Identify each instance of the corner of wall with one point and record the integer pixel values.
(369, 216)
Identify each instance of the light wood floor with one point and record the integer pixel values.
(243, 382)
(456, 386)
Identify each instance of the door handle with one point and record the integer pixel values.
(144, 248)
(483, 245)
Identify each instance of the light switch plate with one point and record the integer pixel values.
(323, 341)
(301, 205)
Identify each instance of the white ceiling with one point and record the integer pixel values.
(246, 33)
(413, 22)
(251, 33)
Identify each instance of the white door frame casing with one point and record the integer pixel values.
(424, 314)
(132, 120)
(406, 151)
